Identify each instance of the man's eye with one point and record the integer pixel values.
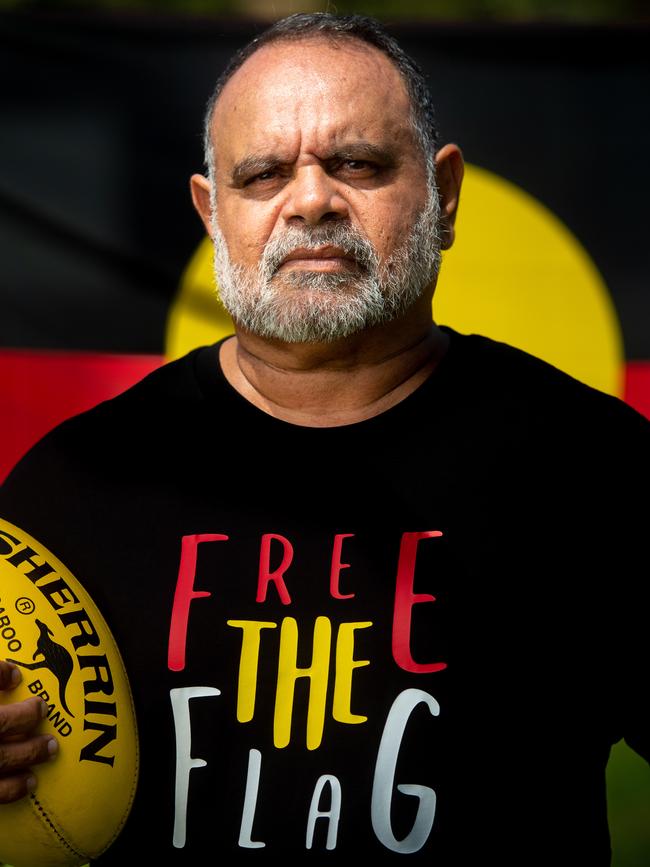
(262, 176)
(360, 169)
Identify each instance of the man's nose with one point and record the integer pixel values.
(313, 197)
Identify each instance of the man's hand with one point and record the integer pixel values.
(20, 748)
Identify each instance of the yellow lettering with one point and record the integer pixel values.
(345, 665)
(248, 661)
(288, 673)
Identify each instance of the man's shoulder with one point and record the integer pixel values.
(505, 376)
(174, 382)
(129, 421)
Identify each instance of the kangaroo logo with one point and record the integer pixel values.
(55, 658)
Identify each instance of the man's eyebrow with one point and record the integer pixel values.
(383, 154)
(253, 165)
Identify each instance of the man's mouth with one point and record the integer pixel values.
(326, 259)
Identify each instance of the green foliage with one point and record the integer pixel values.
(628, 784)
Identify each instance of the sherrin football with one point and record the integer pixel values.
(52, 630)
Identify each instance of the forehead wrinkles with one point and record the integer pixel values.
(291, 89)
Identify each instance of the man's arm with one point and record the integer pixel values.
(636, 667)
(629, 578)
(20, 746)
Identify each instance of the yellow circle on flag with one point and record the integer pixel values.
(515, 273)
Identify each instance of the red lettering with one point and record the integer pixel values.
(335, 571)
(265, 575)
(183, 597)
(405, 599)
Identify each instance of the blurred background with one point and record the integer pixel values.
(106, 272)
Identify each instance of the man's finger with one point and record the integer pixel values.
(10, 675)
(22, 716)
(18, 756)
(16, 787)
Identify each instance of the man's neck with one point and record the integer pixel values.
(332, 384)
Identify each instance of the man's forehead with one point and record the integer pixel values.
(340, 91)
(319, 58)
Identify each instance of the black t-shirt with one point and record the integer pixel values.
(416, 637)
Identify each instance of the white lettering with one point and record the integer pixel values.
(333, 814)
(180, 699)
(250, 802)
(383, 782)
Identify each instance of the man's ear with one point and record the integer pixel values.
(449, 176)
(200, 191)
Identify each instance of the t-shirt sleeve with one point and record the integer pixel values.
(32, 484)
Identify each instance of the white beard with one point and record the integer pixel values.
(313, 306)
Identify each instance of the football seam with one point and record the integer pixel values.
(136, 771)
(134, 787)
(41, 812)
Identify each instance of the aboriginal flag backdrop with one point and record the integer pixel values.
(106, 272)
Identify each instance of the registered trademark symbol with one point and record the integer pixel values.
(24, 605)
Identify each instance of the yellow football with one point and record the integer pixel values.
(51, 629)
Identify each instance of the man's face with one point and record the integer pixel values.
(322, 219)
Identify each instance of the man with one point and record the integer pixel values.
(418, 628)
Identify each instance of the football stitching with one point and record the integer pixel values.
(136, 774)
(44, 816)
